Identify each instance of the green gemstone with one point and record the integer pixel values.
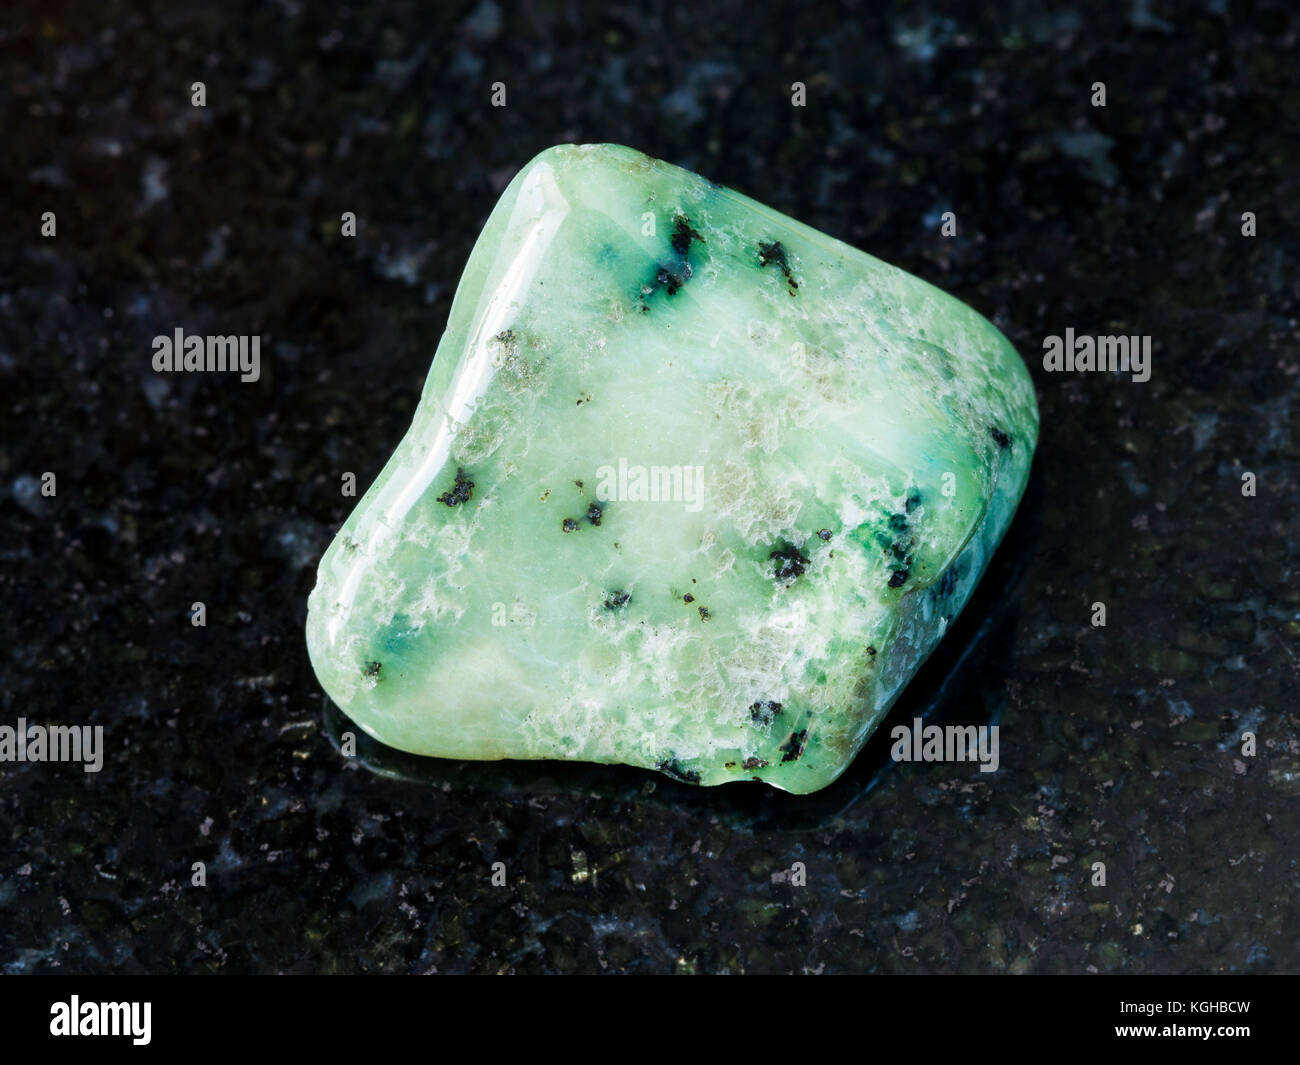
(691, 486)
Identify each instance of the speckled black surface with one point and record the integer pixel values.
(1118, 744)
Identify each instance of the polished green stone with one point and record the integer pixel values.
(691, 486)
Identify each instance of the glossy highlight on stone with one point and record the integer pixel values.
(691, 486)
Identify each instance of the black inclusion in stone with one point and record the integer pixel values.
(569, 525)
(899, 540)
(616, 599)
(774, 252)
(667, 279)
(790, 563)
(683, 234)
(764, 712)
(670, 766)
(999, 437)
(670, 280)
(946, 584)
(593, 514)
(793, 747)
(670, 277)
(460, 491)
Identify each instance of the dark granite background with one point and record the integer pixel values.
(1119, 744)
